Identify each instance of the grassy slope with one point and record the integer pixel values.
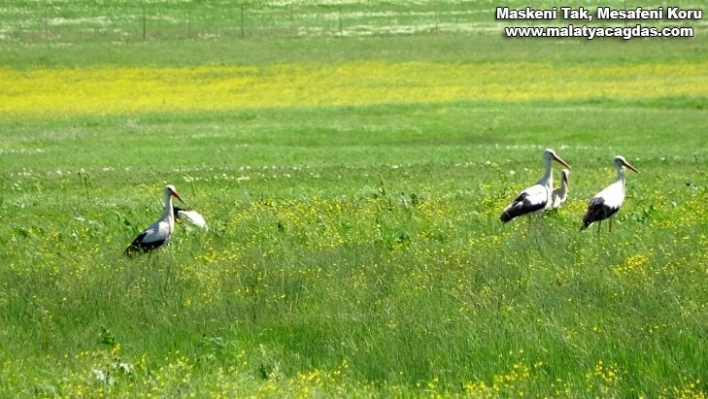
(312, 263)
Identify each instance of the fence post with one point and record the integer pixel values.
(242, 20)
(341, 27)
(291, 24)
(144, 22)
(46, 23)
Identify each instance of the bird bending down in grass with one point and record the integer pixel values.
(536, 198)
(560, 194)
(608, 201)
(160, 232)
(190, 216)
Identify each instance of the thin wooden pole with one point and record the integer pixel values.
(242, 21)
(144, 22)
(46, 24)
(341, 27)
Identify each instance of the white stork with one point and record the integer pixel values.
(559, 195)
(160, 232)
(190, 216)
(608, 201)
(537, 197)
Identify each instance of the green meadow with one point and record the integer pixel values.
(352, 160)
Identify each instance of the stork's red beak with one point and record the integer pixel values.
(629, 166)
(176, 195)
(561, 161)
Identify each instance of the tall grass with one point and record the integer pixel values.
(354, 247)
(381, 274)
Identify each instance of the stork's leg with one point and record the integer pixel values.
(529, 229)
(598, 226)
(537, 221)
(610, 225)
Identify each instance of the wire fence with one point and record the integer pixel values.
(124, 20)
(258, 19)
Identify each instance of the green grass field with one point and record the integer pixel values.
(353, 185)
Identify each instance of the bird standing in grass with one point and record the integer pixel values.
(608, 201)
(560, 194)
(160, 232)
(191, 216)
(536, 198)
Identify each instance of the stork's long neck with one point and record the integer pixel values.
(620, 176)
(547, 179)
(167, 213)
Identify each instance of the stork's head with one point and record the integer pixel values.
(550, 155)
(564, 176)
(170, 190)
(620, 162)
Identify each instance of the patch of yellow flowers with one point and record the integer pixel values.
(111, 90)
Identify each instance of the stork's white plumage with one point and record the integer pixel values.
(191, 216)
(160, 232)
(608, 201)
(537, 197)
(559, 195)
